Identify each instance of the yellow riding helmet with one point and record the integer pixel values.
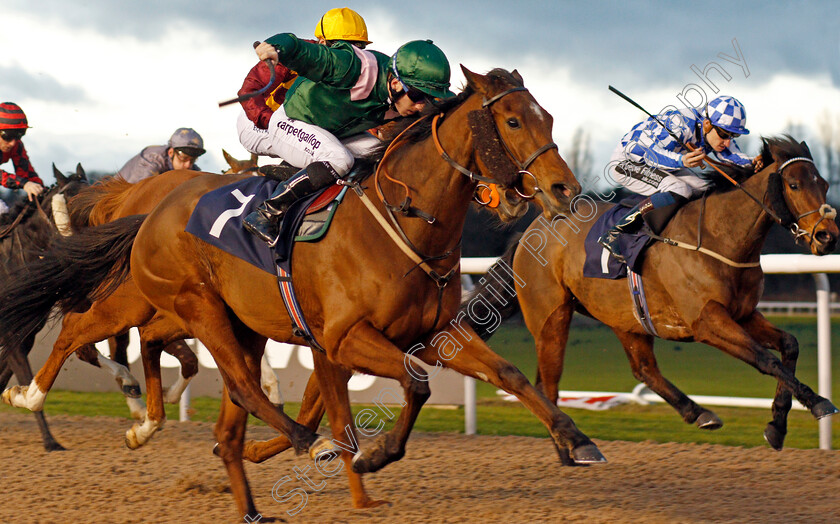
(342, 24)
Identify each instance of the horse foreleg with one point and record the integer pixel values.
(365, 349)
(476, 360)
(311, 412)
(19, 364)
(230, 434)
(332, 381)
(639, 351)
(716, 328)
(769, 335)
(189, 367)
(270, 382)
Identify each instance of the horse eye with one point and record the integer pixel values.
(513, 123)
(793, 185)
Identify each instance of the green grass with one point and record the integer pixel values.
(594, 361)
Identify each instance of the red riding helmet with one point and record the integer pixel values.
(12, 117)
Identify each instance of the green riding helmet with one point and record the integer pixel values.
(422, 65)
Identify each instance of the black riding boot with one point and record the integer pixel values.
(632, 223)
(265, 221)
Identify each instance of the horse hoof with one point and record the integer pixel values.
(131, 391)
(131, 441)
(321, 446)
(774, 437)
(361, 464)
(708, 420)
(54, 446)
(7, 396)
(566, 458)
(216, 450)
(588, 454)
(823, 408)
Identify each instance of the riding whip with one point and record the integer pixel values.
(260, 91)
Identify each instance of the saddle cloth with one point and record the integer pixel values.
(217, 220)
(599, 263)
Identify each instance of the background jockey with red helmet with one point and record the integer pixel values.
(649, 161)
(342, 24)
(13, 126)
(340, 93)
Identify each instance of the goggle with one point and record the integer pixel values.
(414, 94)
(12, 134)
(726, 135)
(183, 156)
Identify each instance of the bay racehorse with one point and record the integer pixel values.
(364, 297)
(25, 232)
(692, 296)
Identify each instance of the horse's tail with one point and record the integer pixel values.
(72, 273)
(499, 277)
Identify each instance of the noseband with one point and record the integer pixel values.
(522, 166)
(825, 210)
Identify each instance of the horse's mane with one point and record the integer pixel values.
(773, 149)
(96, 204)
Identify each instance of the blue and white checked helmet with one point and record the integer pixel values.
(728, 114)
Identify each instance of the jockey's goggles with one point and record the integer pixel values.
(12, 134)
(724, 134)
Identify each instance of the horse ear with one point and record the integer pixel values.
(80, 173)
(803, 144)
(474, 80)
(254, 158)
(229, 159)
(517, 76)
(59, 177)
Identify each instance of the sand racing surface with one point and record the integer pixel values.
(443, 478)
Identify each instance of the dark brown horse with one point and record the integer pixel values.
(692, 296)
(367, 305)
(25, 232)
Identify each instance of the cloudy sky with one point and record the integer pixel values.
(101, 79)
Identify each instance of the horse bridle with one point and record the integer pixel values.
(825, 210)
(523, 166)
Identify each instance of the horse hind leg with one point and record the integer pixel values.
(769, 335)
(311, 412)
(639, 352)
(189, 368)
(118, 365)
(19, 365)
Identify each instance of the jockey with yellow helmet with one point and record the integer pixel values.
(341, 24)
(13, 125)
(341, 92)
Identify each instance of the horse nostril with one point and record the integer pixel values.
(824, 237)
(561, 191)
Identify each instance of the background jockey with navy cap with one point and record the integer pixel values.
(13, 126)
(649, 161)
(180, 152)
(342, 91)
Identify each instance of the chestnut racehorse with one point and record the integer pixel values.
(364, 297)
(691, 296)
